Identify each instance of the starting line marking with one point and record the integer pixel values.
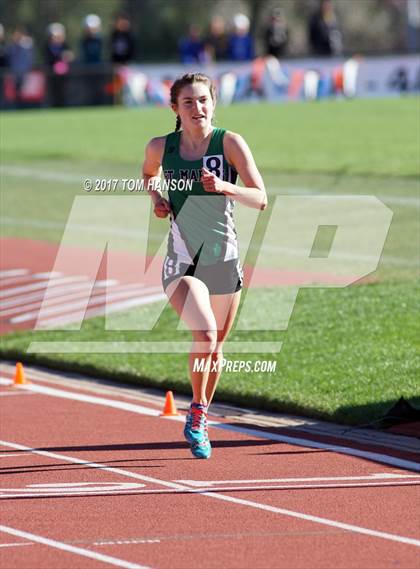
(72, 549)
(249, 503)
(7, 454)
(13, 273)
(111, 542)
(70, 488)
(26, 493)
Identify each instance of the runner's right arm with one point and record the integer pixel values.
(152, 171)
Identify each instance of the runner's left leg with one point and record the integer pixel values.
(225, 307)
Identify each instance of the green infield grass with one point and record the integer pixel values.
(348, 353)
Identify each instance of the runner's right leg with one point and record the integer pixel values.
(190, 298)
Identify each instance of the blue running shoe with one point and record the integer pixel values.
(201, 449)
(195, 423)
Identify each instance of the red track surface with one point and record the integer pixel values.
(165, 524)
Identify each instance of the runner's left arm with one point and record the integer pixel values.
(240, 157)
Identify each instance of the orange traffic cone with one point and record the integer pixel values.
(20, 378)
(169, 410)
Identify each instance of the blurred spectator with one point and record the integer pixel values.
(58, 57)
(3, 48)
(121, 41)
(57, 51)
(191, 47)
(240, 44)
(216, 41)
(3, 63)
(91, 44)
(276, 34)
(20, 55)
(324, 33)
(413, 25)
(91, 48)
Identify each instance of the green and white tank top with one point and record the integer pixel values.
(201, 222)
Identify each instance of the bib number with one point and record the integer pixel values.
(214, 164)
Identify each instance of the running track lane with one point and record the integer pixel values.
(121, 489)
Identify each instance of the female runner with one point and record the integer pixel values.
(201, 274)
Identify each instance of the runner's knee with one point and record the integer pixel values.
(218, 349)
(207, 340)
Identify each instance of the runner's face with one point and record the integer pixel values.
(195, 106)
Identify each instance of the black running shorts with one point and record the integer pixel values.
(224, 277)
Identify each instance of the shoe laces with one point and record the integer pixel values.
(199, 419)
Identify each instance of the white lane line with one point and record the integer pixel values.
(87, 300)
(13, 273)
(297, 441)
(54, 297)
(15, 280)
(47, 275)
(231, 499)
(66, 488)
(382, 439)
(72, 549)
(91, 399)
(10, 454)
(29, 278)
(6, 274)
(41, 285)
(109, 308)
(80, 493)
(97, 465)
(112, 542)
(52, 300)
(319, 520)
(374, 476)
(11, 393)
(86, 486)
(46, 494)
(57, 291)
